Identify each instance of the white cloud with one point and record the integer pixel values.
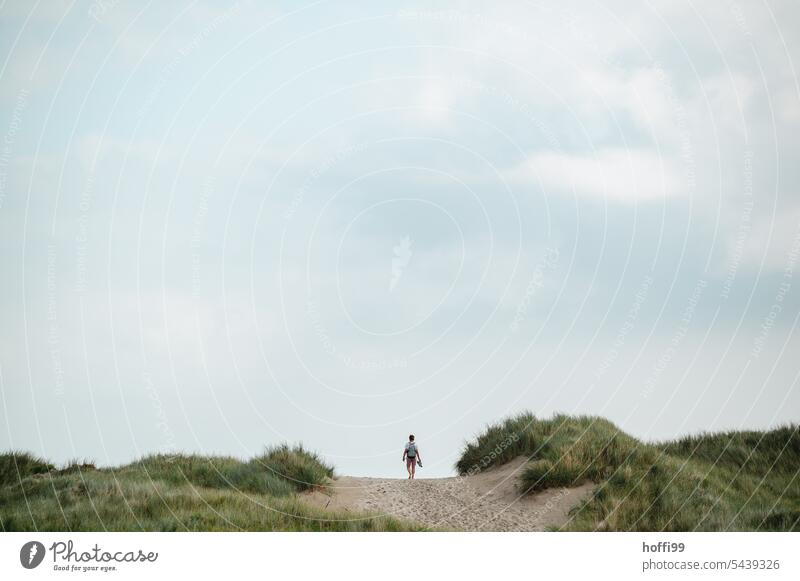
(615, 174)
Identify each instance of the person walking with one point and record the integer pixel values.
(411, 456)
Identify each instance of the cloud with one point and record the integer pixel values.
(613, 174)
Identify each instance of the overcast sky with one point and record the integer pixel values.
(223, 227)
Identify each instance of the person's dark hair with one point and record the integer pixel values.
(411, 437)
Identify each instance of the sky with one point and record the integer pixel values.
(229, 225)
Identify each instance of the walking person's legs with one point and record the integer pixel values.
(411, 464)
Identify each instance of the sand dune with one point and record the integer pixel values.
(488, 501)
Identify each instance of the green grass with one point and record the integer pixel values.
(175, 493)
(734, 481)
(300, 468)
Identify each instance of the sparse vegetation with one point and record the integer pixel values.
(712, 482)
(175, 493)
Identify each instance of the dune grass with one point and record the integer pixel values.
(300, 468)
(733, 481)
(175, 493)
(16, 466)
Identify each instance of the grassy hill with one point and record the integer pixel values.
(174, 493)
(734, 481)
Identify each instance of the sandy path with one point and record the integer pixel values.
(483, 502)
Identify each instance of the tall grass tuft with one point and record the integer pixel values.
(304, 470)
(16, 466)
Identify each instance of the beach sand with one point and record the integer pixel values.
(487, 501)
